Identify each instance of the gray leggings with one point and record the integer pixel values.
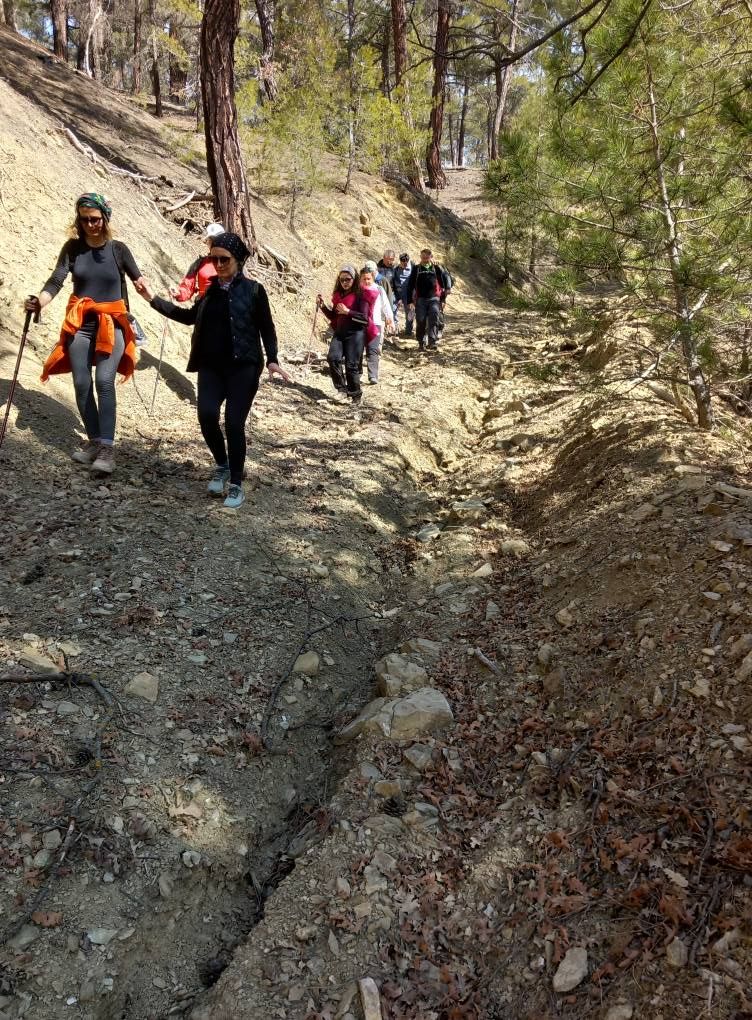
(98, 415)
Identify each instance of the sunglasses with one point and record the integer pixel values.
(90, 221)
(344, 279)
(220, 260)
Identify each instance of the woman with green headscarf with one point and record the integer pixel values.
(96, 333)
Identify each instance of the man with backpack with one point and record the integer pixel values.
(428, 288)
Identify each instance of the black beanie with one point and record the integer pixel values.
(232, 243)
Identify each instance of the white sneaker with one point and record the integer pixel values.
(235, 497)
(219, 479)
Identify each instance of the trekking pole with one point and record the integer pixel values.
(18, 366)
(311, 339)
(159, 366)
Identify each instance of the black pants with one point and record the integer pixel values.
(427, 317)
(346, 352)
(235, 386)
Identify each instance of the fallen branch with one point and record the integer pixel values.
(71, 679)
(86, 150)
(181, 203)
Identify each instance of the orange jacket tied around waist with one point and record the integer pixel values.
(108, 313)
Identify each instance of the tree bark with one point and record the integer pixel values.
(59, 18)
(450, 126)
(219, 30)
(137, 81)
(463, 119)
(399, 29)
(92, 64)
(266, 11)
(354, 95)
(436, 176)
(178, 75)
(156, 80)
(674, 245)
(9, 10)
(503, 78)
(386, 78)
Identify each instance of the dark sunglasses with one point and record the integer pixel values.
(90, 220)
(220, 260)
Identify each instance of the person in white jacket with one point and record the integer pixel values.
(383, 318)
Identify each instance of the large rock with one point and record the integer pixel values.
(143, 685)
(308, 663)
(572, 970)
(428, 650)
(396, 674)
(423, 711)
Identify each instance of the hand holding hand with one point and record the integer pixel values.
(274, 369)
(145, 290)
(342, 309)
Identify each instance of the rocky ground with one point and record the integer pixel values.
(450, 720)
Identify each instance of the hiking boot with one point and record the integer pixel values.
(432, 345)
(218, 480)
(87, 453)
(235, 497)
(104, 463)
(372, 382)
(355, 397)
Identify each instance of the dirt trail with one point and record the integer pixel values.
(561, 563)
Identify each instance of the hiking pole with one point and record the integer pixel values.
(159, 366)
(310, 341)
(18, 366)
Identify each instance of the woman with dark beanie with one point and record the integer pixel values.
(349, 315)
(230, 323)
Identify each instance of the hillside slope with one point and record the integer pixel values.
(189, 826)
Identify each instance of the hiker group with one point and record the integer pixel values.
(365, 307)
(233, 331)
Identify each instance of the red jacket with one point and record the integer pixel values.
(200, 274)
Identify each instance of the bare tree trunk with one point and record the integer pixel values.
(137, 82)
(353, 98)
(266, 11)
(399, 29)
(91, 49)
(9, 10)
(436, 176)
(386, 82)
(156, 81)
(59, 18)
(219, 30)
(178, 74)
(503, 78)
(463, 120)
(684, 313)
(2, 15)
(450, 126)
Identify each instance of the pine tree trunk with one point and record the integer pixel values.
(137, 82)
(436, 176)
(91, 48)
(219, 29)
(399, 30)
(674, 244)
(59, 18)
(156, 80)
(9, 10)
(503, 78)
(178, 75)
(266, 11)
(450, 126)
(463, 120)
(353, 97)
(386, 81)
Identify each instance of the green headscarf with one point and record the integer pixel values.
(93, 200)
